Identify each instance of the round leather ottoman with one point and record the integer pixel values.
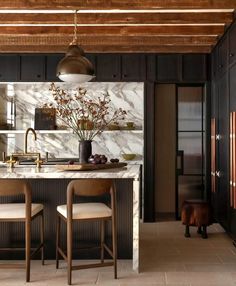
(196, 213)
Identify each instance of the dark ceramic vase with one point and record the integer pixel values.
(85, 150)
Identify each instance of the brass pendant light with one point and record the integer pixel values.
(75, 67)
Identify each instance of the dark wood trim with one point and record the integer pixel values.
(149, 152)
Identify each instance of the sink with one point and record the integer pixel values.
(51, 161)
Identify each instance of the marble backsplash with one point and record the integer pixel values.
(28, 96)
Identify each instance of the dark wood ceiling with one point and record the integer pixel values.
(162, 26)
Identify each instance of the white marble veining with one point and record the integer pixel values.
(53, 172)
(28, 96)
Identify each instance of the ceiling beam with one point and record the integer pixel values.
(117, 30)
(86, 40)
(108, 49)
(118, 18)
(118, 4)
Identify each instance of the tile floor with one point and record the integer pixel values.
(167, 258)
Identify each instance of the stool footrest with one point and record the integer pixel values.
(108, 250)
(36, 250)
(10, 266)
(85, 266)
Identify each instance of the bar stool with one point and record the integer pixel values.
(94, 211)
(22, 212)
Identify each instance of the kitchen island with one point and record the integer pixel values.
(49, 187)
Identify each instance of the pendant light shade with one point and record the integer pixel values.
(75, 67)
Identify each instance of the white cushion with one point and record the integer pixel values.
(17, 211)
(87, 210)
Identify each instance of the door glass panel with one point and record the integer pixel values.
(190, 108)
(190, 138)
(190, 188)
(191, 145)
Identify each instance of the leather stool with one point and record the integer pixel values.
(22, 212)
(92, 211)
(196, 213)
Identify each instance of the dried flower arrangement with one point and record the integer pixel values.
(86, 117)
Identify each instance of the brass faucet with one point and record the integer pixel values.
(38, 160)
(26, 138)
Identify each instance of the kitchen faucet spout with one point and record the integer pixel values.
(26, 138)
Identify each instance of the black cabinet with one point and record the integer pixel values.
(223, 153)
(214, 63)
(108, 67)
(222, 63)
(9, 67)
(232, 87)
(214, 100)
(151, 67)
(32, 68)
(51, 67)
(232, 44)
(169, 68)
(194, 68)
(133, 67)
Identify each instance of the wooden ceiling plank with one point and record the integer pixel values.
(117, 18)
(118, 4)
(116, 30)
(108, 40)
(108, 49)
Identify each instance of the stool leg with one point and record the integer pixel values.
(27, 247)
(187, 233)
(102, 224)
(42, 236)
(58, 240)
(199, 230)
(204, 232)
(69, 250)
(114, 245)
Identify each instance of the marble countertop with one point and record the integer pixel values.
(52, 172)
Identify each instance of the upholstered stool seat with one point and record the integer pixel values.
(17, 211)
(86, 211)
(96, 192)
(21, 212)
(196, 213)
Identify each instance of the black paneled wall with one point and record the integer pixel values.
(223, 101)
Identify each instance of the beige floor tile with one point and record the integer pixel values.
(201, 278)
(132, 278)
(166, 258)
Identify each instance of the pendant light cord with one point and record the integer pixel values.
(75, 38)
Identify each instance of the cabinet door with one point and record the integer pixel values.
(168, 68)
(92, 58)
(213, 64)
(9, 67)
(222, 57)
(223, 153)
(151, 67)
(108, 67)
(194, 68)
(232, 76)
(214, 100)
(133, 67)
(51, 67)
(232, 44)
(32, 68)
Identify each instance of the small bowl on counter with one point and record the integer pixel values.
(128, 157)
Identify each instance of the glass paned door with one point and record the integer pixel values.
(190, 144)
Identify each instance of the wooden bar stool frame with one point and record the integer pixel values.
(14, 187)
(88, 188)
